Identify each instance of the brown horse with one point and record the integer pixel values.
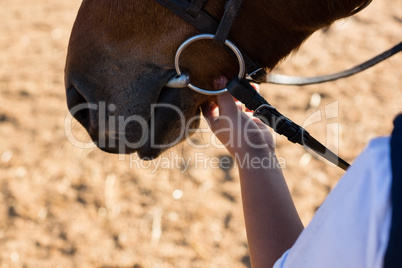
(121, 54)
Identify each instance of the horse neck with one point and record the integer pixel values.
(270, 30)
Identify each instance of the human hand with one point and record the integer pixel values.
(240, 132)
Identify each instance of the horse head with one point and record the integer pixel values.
(121, 54)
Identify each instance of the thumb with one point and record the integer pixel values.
(227, 105)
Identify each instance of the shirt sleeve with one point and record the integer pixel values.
(351, 228)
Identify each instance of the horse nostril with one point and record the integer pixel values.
(78, 106)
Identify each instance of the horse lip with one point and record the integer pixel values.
(114, 141)
(149, 154)
(149, 150)
(113, 145)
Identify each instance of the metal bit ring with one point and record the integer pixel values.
(236, 51)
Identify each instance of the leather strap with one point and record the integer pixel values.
(244, 92)
(231, 10)
(201, 20)
(302, 81)
(195, 7)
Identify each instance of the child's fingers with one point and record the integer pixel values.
(208, 109)
(227, 105)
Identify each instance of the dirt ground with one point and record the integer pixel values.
(63, 206)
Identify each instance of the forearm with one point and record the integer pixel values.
(272, 222)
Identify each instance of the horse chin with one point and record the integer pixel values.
(147, 153)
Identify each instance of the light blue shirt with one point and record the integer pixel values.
(351, 228)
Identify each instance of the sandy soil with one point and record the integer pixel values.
(62, 206)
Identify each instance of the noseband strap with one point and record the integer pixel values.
(192, 12)
(195, 7)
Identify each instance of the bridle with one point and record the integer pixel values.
(250, 71)
(192, 12)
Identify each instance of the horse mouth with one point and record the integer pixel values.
(171, 117)
(148, 134)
